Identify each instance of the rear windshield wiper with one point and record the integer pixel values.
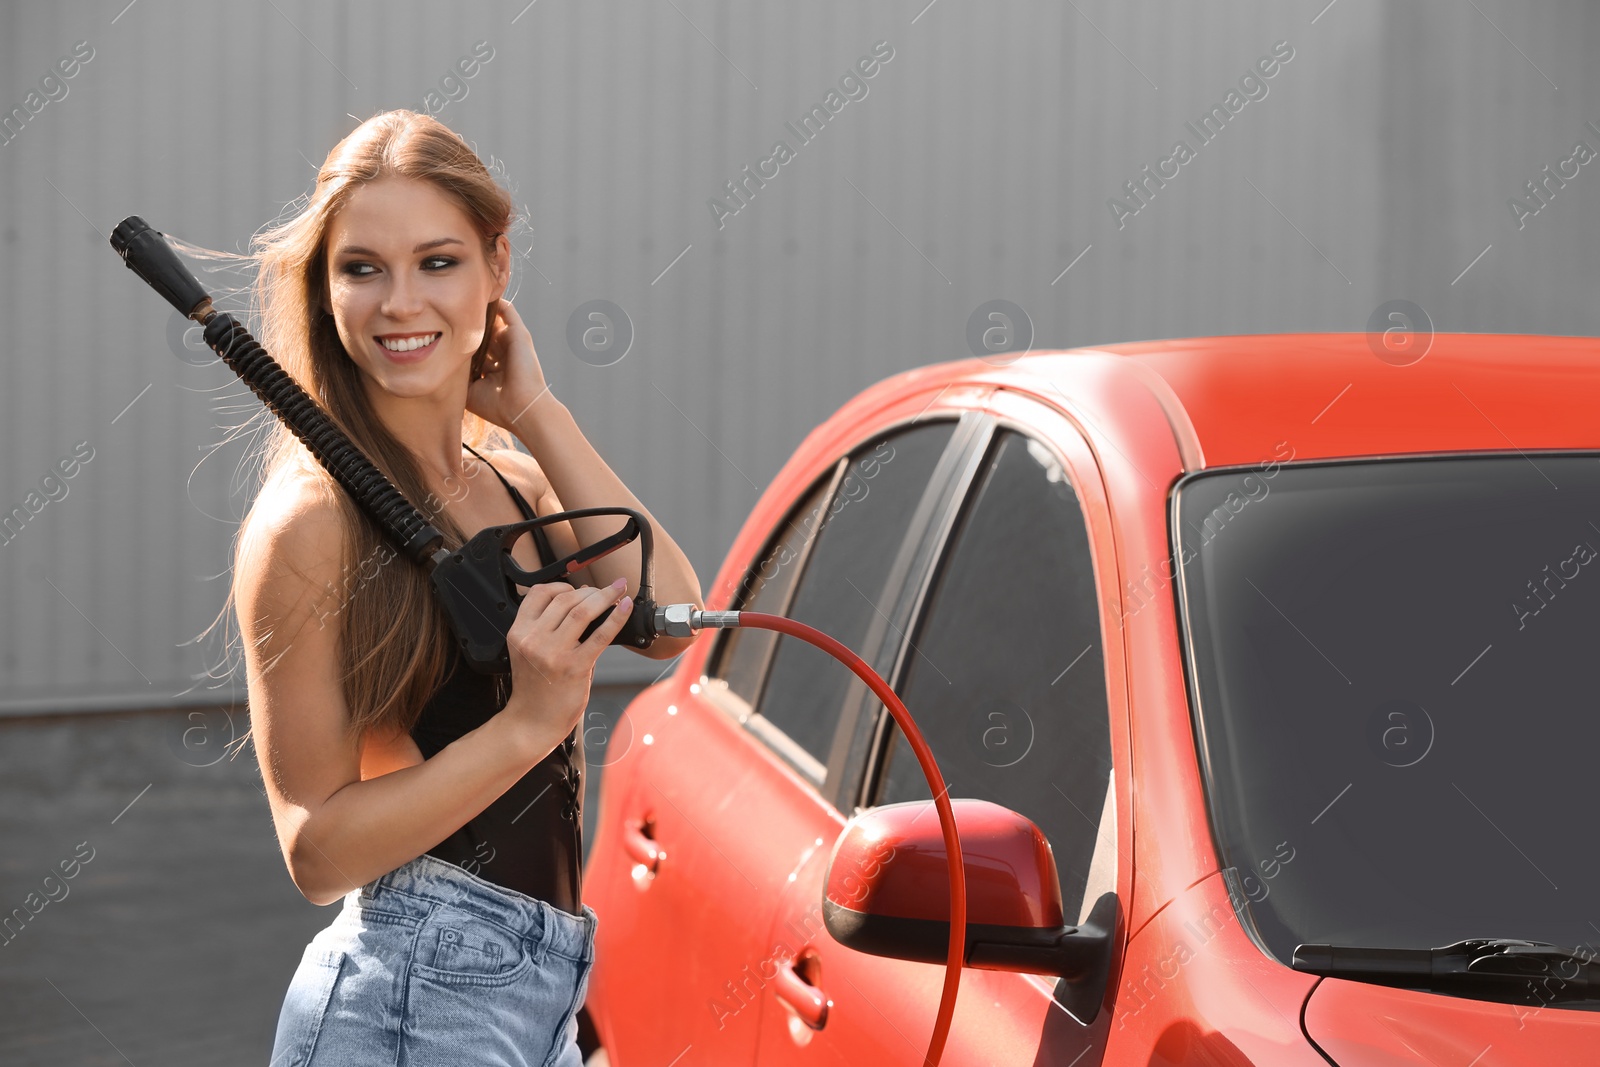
(1536, 971)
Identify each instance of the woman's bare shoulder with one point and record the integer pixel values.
(296, 505)
(294, 534)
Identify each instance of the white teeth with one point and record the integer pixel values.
(409, 344)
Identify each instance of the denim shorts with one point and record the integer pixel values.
(432, 965)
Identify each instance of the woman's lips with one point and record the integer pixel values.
(412, 356)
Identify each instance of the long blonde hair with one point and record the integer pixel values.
(394, 640)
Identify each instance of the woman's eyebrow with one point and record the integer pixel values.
(356, 250)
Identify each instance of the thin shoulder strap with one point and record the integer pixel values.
(541, 540)
(522, 504)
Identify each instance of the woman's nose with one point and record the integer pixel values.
(402, 298)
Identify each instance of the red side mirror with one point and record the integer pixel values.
(888, 893)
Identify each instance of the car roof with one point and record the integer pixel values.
(1331, 394)
(1328, 395)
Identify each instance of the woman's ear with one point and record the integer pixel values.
(502, 266)
(480, 357)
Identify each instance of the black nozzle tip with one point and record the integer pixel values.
(125, 232)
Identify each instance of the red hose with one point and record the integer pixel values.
(947, 818)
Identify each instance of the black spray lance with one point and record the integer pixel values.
(476, 583)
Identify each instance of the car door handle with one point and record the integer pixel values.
(808, 1002)
(638, 843)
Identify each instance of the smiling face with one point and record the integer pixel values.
(409, 287)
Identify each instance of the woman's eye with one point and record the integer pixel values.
(354, 269)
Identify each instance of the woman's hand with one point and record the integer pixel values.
(550, 668)
(512, 378)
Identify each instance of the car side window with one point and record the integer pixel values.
(842, 552)
(742, 657)
(1006, 673)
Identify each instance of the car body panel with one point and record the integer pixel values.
(672, 941)
(1381, 1026)
(1196, 990)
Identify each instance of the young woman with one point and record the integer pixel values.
(442, 806)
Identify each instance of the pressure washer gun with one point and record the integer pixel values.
(477, 583)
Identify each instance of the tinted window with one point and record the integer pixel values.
(857, 537)
(1006, 679)
(744, 654)
(1395, 666)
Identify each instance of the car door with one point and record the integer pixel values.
(1006, 669)
(714, 791)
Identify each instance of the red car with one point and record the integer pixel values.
(1263, 668)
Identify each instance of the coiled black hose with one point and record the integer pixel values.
(376, 495)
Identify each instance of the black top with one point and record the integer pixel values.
(530, 839)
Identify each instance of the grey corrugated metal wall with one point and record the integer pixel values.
(979, 165)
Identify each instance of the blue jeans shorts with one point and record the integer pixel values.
(432, 965)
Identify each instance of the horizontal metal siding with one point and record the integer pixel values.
(978, 166)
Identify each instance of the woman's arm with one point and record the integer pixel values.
(336, 831)
(512, 394)
(580, 478)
